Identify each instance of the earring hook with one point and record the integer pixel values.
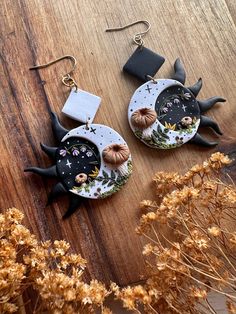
(137, 38)
(67, 80)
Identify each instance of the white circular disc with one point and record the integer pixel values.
(145, 97)
(109, 179)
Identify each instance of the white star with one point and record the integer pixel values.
(184, 107)
(68, 163)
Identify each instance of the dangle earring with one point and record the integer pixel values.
(163, 113)
(91, 161)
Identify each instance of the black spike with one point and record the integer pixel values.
(44, 172)
(205, 121)
(180, 74)
(50, 151)
(56, 191)
(195, 89)
(210, 102)
(75, 202)
(199, 140)
(58, 130)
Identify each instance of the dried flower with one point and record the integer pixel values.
(189, 252)
(231, 307)
(215, 231)
(49, 268)
(190, 249)
(198, 293)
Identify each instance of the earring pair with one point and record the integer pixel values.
(94, 161)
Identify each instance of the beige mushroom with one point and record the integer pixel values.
(81, 178)
(143, 118)
(186, 121)
(116, 154)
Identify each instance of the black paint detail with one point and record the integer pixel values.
(207, 122)
(50, 151)
(58, 130)
(56, 191)
(143, 62)
(89, 158)
(76, 155)
(199, 140)
(92, 130)
(180, 74)
(44, 172)
(177, 105)
(209, 103)
(195, 89)
(75, 202)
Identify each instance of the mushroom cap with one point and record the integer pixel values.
(81, 178)
(143, 118)
(116, 154)
(186, 121)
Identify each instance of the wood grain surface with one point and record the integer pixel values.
(201, 32)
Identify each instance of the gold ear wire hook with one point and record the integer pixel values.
(67, 80)
(137, 38)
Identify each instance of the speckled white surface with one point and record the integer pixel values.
(102, 137)
(145, 97)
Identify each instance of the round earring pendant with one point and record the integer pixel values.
(164, 114)
(93, 162)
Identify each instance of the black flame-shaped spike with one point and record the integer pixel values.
(75, 202)
(56, 191)
(44, 172)
(209, 103)
(50, 151)
(199, 140)
(195, 89)
(58, 130)
(207, 122)
(180, 74)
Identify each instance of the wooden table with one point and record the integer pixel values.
(201, 32)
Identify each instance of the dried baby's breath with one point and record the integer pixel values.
(190, 252)
(49, 268)
(191, 242)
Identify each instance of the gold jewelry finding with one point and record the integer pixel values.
(67, 79)
(152, 79)
(137, 38)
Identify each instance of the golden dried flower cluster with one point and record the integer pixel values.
(190, 252)
(191, 243)
(47, 267)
